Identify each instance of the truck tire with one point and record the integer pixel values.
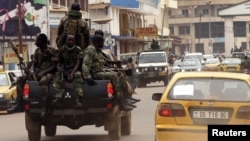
(115, 133)
(126, 124)
(33, 127)
(50, 130)
(34, 136)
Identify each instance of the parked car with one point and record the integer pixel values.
(212, 64)
(7, 90)
(194, 100)
(231, 65)
(191, 65)
(240, 55)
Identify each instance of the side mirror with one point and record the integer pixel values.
(156, 96)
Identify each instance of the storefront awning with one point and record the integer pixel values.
(99, 5)
(101, 21)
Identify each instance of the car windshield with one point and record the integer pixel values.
(210, 89)
(212, 61)
(153, 58)
(4, 80)
(231, 61)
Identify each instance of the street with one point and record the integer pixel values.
(13, 125)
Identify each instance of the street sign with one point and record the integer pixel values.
(109, 42)
(147, 31)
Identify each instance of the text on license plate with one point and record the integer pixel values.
(210, 114)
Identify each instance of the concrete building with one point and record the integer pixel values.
(202, 29)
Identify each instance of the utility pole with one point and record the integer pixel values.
(20, 29)
(210, 44)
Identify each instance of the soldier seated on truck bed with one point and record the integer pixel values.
(69, 69)
(94, 68)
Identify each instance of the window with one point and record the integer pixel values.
(240, 29)
(183, 30)
(171, 28)
(205, 11)
(185, 12)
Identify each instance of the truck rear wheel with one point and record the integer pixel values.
(126, 124)
(33, 127)
(50, 130)
(115, 133)
(34, 136)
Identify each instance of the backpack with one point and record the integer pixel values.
(76, 27)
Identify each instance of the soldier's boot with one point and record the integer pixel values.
(126, 106)
(18, 107)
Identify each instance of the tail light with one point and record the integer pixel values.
(110, 90)
(243, 112)
(26, 92)
(171, 110)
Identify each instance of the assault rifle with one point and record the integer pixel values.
(22, 65)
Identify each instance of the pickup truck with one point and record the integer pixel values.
(99, 108)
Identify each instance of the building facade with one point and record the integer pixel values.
(202, 29)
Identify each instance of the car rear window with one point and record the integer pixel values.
(210, 89)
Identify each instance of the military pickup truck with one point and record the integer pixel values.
(99, 108)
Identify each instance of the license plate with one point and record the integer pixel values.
(151, 74)
(210, 114)
(231, 69)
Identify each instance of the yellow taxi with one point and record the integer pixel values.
(212, 64)
(8, 92)
(230, 65)
(194, 100)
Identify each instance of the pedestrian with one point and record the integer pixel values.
(73, 24)
(44, 67)
(94, 68)
(69, 67)
(132, 76)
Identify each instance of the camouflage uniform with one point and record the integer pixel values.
(93, 67)
(43, 61)
(83, 30)
(68, 58)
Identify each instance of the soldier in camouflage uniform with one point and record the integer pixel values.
(69, 67)
(94, 68)
(81, 34)
(44, 67)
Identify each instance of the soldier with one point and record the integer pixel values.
(111, 63)
(93, 68)
(44, 67)
(69, 69)
(73, 24)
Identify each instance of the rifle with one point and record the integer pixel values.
(21, 61)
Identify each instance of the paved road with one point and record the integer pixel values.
(13, 125)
